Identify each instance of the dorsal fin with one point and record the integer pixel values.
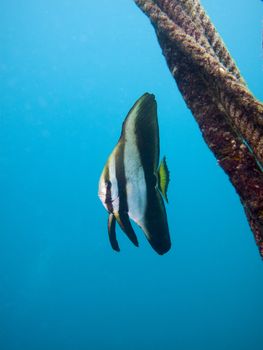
(163, 178)
(141, 127)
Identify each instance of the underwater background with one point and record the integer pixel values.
(70, 71)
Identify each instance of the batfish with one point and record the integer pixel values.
(132, 184)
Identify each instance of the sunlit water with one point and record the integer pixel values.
(70, 71)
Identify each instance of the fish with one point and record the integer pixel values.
(132, 184)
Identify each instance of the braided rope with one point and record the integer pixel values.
(225, 110)
(197, 12)
(214, 70)
(176, 13)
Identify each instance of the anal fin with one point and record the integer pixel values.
(125, 224)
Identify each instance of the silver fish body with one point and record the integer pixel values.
(128, 186)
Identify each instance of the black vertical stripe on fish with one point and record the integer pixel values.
(112, 232)
(108, 200)
(123, 218)
(147, 131)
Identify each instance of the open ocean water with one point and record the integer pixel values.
(70, 71)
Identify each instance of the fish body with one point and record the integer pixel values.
(131, 181)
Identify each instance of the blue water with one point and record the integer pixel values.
(70, 71)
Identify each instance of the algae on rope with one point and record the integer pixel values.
(229, 116)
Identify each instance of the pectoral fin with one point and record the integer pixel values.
(125, 224)
(163, 178)
(112, 233)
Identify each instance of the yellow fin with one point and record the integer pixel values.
(163, 178)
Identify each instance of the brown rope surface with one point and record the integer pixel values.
(229, 116)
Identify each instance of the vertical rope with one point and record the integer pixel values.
(197, 12)
(212, 70)
(227, 113)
